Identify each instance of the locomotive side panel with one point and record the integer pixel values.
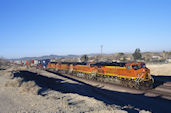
(83, 68)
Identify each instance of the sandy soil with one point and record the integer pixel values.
(18, 95)
(160, 69)
(32, 90)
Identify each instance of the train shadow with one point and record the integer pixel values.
(154, 104)
(160, 80)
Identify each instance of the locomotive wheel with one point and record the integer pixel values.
(99, 78)
(137, 86)
(131, 84)
(125, 83)
(86, 76)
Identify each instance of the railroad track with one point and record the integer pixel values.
(163, 91)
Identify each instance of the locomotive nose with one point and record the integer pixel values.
(146, 73)
(146, 70)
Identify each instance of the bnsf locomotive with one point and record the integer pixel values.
(134, 74)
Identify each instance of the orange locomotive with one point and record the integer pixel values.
(133, 74)
(52, 65)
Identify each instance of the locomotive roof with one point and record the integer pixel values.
(53, 62)
(121, 64)
(74, 63)
(66, 63)
(79, 63)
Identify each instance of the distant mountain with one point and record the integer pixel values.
(48, 57)
(58, 56)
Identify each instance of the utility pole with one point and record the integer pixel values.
(101, 50)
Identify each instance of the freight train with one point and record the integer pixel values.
(134, 74)
(41, 64)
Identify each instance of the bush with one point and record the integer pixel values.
(84, 58)
(137, 54)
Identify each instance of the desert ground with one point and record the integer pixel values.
(160, 69)
(36, 91)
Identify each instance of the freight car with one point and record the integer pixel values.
(134, 74)
(43, 64)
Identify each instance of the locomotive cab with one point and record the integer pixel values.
(140, 70)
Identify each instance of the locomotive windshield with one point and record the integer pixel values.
(135, 67)
(143, 66)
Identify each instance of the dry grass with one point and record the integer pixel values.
(30, 87)
(16, 82)
(25, 87)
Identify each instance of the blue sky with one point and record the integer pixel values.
(43, 27)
